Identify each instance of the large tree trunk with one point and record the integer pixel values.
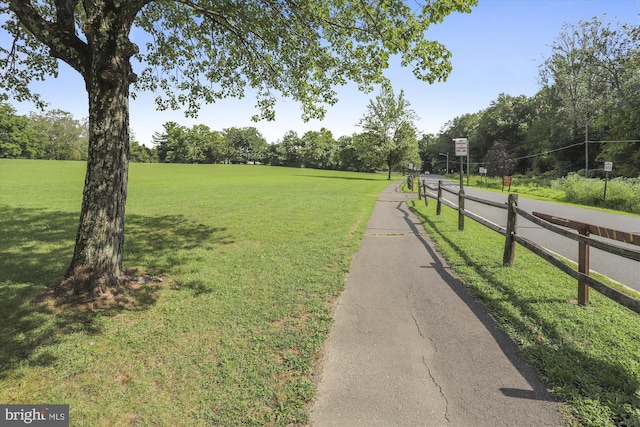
(99, 249)
(97, 259)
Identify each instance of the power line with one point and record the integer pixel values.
(540, 154)
(549, 151)
(603, 142)
(566, 147)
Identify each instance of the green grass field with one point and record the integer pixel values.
(252, 258)
(589, 357)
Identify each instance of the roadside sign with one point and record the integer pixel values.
(608, 166)
(506, 181)
(462, 146)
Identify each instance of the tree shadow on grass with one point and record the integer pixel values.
(36, 246)
(159, 243)
(572, 372)
(371, 177)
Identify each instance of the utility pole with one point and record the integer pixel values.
(468, 169)
(586, 150)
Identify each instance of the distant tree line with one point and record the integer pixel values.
(587, 112)
(54, 135)
(389, 141)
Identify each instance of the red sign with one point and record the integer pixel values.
(506, 181)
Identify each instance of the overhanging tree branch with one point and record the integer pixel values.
(59, 37)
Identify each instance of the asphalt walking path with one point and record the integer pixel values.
(410, 347)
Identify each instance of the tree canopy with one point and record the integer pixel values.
(201, 50)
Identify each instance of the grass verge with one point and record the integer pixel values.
(252, 259)
(589, 357)
(532, 191)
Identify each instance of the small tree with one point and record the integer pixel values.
(286, 152)
(498, 161)
(141, 153)
(390, 124)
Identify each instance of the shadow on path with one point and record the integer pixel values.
(508, 347)
(574, 374)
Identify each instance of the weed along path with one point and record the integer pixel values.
(410, 347)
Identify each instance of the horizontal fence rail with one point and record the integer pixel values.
(583, 227)
(598, 244)
(495, 227)
(611, 293)
(487, 202)
(555, 225)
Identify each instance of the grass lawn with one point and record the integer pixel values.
(252, 258)
(589, 357)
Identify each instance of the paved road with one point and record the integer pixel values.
(410, 347)
(623, 270)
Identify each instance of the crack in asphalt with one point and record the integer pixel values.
(413, 317)
(424, 363)
(444, 397)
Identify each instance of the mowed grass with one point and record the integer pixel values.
(252, 258)
(589, 357)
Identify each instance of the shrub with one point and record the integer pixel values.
(623, 194)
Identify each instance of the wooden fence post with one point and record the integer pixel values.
(461, 209)
(583, 267)
(424, 191)
(439, 205)
(512, 220)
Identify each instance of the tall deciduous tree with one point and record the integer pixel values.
(201, 50)
(391, 125)
(246, 145)
(507, 118)
(285, 152)
(593, 71)
(318, 149)
(60, 135)
(15, 138)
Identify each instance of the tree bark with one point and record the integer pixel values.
(97, 263)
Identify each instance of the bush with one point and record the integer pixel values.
(623, 194)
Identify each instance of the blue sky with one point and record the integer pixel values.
(497, 48)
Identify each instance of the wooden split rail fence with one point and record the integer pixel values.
(551, 223)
